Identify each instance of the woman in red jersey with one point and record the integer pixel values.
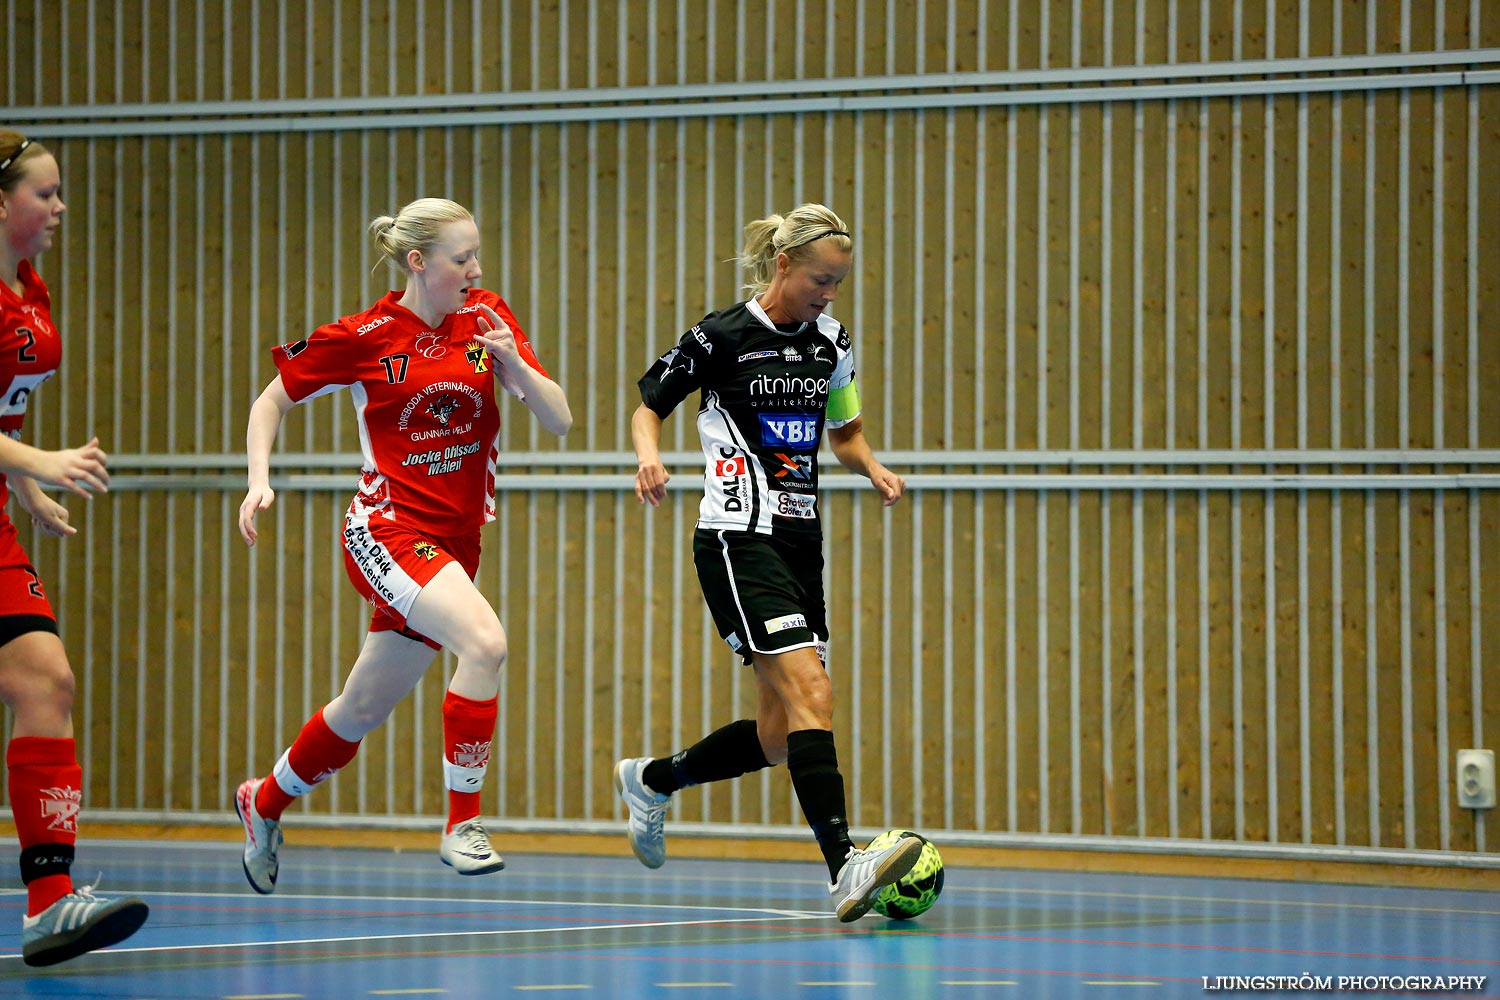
(422, 366)
(46, 782)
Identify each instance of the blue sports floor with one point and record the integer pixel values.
(362, 923)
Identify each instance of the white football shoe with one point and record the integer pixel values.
(865, 873)
(647, 809)
(262, 840)
(468, 851)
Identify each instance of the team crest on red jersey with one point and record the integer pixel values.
(442, 408)
(425, 549)
(476, 354)
(60, 808)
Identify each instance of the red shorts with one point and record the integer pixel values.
(23, 603)
(390, 563)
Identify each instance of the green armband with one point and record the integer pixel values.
(843, 403)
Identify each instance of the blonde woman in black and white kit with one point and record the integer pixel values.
(773, 371)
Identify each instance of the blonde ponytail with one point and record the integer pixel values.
(791, 234)
(418, 226)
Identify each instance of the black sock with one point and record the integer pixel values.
(727, 752)
(814, 764)
(41, 860)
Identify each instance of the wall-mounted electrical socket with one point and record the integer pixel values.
(1476, 779)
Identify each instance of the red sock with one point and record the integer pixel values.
(46, 790)
(314, 756)
(468, 729)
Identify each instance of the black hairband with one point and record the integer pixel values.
(13, 157)
(810, 239)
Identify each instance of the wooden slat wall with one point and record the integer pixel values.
(1288, 272)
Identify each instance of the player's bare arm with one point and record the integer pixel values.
(650, 476)
(854, 454)
(78, 470)
(265, 420)
(46, 513)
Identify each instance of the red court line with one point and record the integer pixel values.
(271, 952)
(530, 918)
(793, 963)
(803, 963)
(1198, 947)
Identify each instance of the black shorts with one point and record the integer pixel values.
(765, 592)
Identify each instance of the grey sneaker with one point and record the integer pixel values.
(79, 922)
(865, 873)
(468, 851)
(262, 840)
(647, 809)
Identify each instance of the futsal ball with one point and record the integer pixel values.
(916, 891)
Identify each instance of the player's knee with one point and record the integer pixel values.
(814, 696)
(52, 684)
(821, 708)
(358, 712)
(487, 646)
(823, 718)
(40, 692)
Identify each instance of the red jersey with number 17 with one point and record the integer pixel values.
(425, 401)
(30, 351)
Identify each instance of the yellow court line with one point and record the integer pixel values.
(836, 982)
(265, 996)
(393, 993)
(978, 982)
(670, 986)
(557, 986)
(1118, 982)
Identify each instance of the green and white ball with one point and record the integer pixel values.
(915, 892)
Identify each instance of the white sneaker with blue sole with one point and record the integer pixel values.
(647, 809)
(79, 922)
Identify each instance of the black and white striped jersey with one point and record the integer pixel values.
(765, 402)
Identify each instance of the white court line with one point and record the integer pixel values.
(532, 901)
(225, 946)
(981, 889)
(1174, 898)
